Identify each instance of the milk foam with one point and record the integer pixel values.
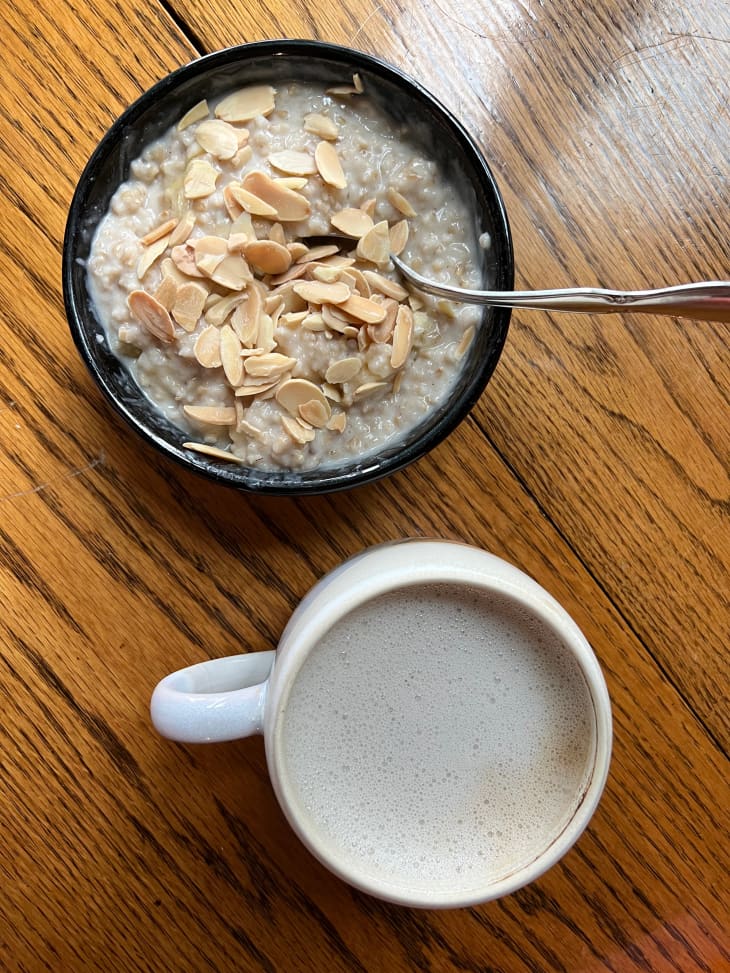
(436, 738)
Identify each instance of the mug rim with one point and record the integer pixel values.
(542, 606)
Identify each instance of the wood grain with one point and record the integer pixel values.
(597, 461)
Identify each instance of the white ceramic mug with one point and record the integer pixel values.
(425, 610)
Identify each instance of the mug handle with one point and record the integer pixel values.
(214, 701)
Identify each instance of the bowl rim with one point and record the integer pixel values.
(239, 476)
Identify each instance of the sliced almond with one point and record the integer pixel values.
(267, 324)
(231, 355)
(367, 389)
(357, 82)
(207, 347)
(298, 432)
(375, 244)
(291, 182)
(321, 126)
(214, 452)
(150, 254)
(217, 313)
(315, 292)
(184, 259)
(241, 157)
(316, 413)
(466, 340)
(384, 285)
(399, 202)
(397, 382)
(353, 222)
(329, 165)
(194, 114)
(166, 292)
(294, 272)
(158, 232)
(244, 426)
(337, 422)
(292, 319)
(327, 275)
(246, 318)
(295, 392)
(242, 232)
(318, 253)
(356, 281)
(183, 229)
(269, 365)
(214, 415)
(200, 179)
(342, 91)
(233, 272)
(331, 392)
(152, 315)
(402, 337)
(380, 333)
(268, 257)
(398, 237)
(363, 309)
(233, 207)
(415, 302)
(249, 391)
(277, 234)
(289, 206)
(210, 251)
(251, 203)
(336, 321)
(369, 207)
(343, 370)
(293, 163)
(188, 306)
(247, 103)
(314, 322)
(218, 138)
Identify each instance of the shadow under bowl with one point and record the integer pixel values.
(430, 126)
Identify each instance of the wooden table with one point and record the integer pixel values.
(597, 461)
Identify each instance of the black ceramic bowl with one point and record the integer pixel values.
(277, 62)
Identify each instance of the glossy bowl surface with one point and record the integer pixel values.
(276, 62)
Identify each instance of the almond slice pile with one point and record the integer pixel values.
(242, 289)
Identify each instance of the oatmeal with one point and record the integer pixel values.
(264, 346)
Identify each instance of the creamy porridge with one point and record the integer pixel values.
(263, 346)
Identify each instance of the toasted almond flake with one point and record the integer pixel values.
(231, 355)
(315, 413)
(342, 91)
(247, 103)
(327, 275)
(233, 272)
(249, 391)
(295, 392)
(384, 285)
(375, 244)
(380, 333)
(343, 370)
(207, 347)
(194, 114)
(214, 415)
(246, 318)
(266, 366)
(315, 292)
(246, 427)
(367, 389)
(274, 301)
(293, 163)
(447, 308)
(214, 452)
(150, 254)
(292, 319)
(277, 234)
(268, 257)
(295, 271)
(290, 206)
(466, 340)
(210, 251)
(369, 207)
(241, 157)
(291, 182)
(200, 179)
(158, 232)
(338, 260)
(267, 325)
(399, 202)
(337, 422)
(363, 338)
(252, 203)
(243, 135)
(353, 222)
(216, 313)
(166, 292)
(188, 306)
(218, 138)
(398, 237)
(319, 253)
(169, 269)
(314, 322)
(152, 315)
(397, 382)
(184, 259)
(356, 280)
(321, 126)
(183, 229)
(357, 82)
(331, 392)
(233, 207)
(363, 309)
(298, 432)
(334, 321)
(415, 302)
(402, 337)
(329, 165)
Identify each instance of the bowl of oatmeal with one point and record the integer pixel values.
(227, 277)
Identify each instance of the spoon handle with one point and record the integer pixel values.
(709, 300)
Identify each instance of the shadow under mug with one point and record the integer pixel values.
(229, 698)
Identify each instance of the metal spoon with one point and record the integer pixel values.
(709, 300)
